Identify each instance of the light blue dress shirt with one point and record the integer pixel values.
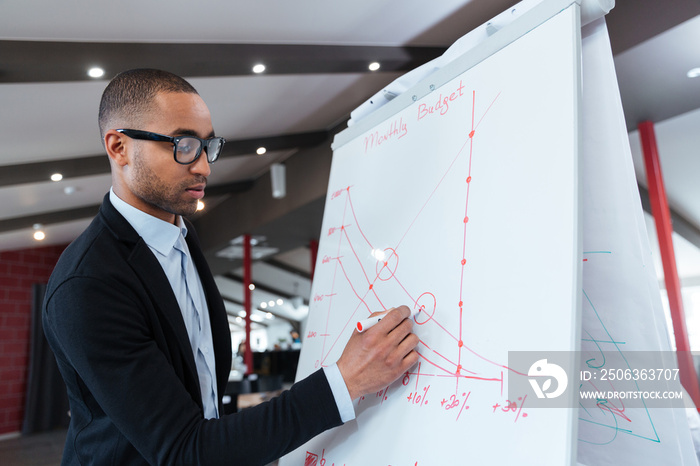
(166, 240)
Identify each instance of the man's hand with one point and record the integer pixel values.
(376, 357)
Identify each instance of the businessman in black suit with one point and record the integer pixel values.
(139, 328)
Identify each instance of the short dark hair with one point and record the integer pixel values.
(131, 93)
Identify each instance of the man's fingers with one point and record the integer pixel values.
(402, 329)
(379, 313)
(380, 354)
(410, 360)
(407, 345)
(385, 321)
(395, 317)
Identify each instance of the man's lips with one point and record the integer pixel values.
(197, 191)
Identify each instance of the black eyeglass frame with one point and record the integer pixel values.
(175, 140)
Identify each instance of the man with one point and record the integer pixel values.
(136, 322)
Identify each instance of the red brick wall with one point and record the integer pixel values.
(18, 271)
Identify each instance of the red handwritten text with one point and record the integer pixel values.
(442, 105)
(397, 129)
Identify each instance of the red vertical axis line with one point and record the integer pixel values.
(248, 302)
(664, 230)
(464, 243)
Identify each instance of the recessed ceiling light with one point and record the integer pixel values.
(39, 234)
(694, 73)
(259, 68)
(261, 150)
(96, 72)
(280, 301)
(56, 177)
(374, 66)
(263, 305)
(251, 287)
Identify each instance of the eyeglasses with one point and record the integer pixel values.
(186, 149)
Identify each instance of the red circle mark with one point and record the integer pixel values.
(471, 135)
(469, 179)
(466, 219)
(460, 344)
(371, 286)
(464, 261)
(461, 303)
(427, 305)
(386, 270)
(524, 414)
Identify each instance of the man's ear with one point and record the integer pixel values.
(115, 144)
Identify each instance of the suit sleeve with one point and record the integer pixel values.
(105, 333)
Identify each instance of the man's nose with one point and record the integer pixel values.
(201, 165)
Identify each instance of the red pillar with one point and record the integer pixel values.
(248, 302)
(313, 246)
(664, 230)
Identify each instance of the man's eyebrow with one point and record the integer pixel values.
(189, 132)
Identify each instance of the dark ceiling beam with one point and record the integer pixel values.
(39, 61)
(38, 172)
(240, 147)
(649, 17)
(48, 218)
(80, 213)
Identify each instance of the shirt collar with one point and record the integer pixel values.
(158, 234)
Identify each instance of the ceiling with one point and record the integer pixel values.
(316, 54)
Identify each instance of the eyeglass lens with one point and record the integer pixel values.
(188, 149)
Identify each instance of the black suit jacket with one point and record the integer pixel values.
(115, 327)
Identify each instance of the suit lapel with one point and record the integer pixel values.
(150, 273)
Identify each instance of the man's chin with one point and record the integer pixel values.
(184, 209)
(188, 212)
